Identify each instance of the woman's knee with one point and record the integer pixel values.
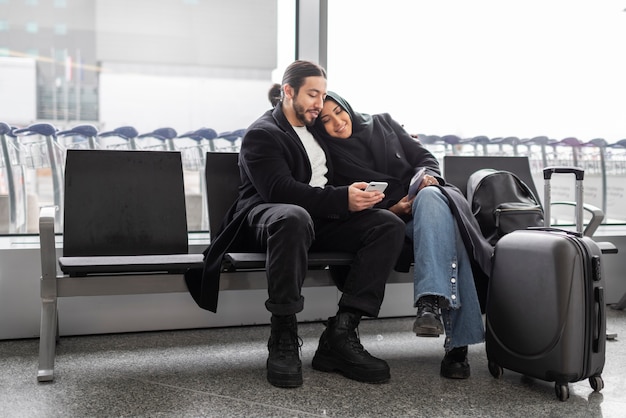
(428, 199)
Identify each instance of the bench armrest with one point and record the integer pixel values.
(47, 250)
(597, 216)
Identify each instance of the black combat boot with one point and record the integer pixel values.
(428, 321)
(284, 368)
(340, 350)
(455, 365)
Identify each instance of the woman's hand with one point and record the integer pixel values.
(359, 199)
(403, 207)
(428, 181)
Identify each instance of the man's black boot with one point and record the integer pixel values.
(284, 368)
(340, 350)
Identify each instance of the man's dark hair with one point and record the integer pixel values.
(274, 94)
(299, 70)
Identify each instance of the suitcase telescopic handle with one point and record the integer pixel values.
(579, 173)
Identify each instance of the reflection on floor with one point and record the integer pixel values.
(221, 372)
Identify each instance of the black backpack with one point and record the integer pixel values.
(502, 203)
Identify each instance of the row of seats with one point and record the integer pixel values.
(547, 151)
(455, 142)
(43, 146)
(543, 150)
(603, 162)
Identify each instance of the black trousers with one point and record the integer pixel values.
(287, 233)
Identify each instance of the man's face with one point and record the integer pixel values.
(308, 103)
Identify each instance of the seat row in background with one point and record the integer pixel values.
(33, 159)
(548, 151)
(604, 163)
(32, 164)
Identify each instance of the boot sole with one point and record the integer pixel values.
(327, 363)
(428, 330)
(460, 373)
(457, 375)
(284, 380)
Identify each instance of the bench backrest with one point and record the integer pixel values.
(457, 169)
(124, 203)
(222, 185)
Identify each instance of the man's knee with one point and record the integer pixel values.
(293, 220)
(391, 224)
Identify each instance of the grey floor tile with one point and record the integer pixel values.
(221, 372)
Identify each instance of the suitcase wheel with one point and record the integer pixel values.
(495, 370)
(596, 383)
(562, 391)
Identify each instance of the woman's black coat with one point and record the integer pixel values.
(395, 158)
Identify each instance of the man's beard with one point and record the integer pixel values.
(301, 115)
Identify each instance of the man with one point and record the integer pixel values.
(286, 208)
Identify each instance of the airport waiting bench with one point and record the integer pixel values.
(125, 233)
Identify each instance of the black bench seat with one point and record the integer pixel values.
(252, 261)
(170, 263)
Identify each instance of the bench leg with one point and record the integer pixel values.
(48, 335)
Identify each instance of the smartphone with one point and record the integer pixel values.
(376, 186)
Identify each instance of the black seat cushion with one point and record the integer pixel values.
(174, 263)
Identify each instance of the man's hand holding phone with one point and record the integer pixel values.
(362, 195)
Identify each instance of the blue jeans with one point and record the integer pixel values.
(442, 268)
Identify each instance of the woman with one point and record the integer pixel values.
(450, 253)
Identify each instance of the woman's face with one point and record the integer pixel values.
(336, 121)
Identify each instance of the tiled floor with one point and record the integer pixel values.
(221, 373)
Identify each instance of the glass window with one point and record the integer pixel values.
(4, 51)
(119, 68)
(4, 25)
(60, 29)
(59, 55)
(31, 27)
(481, 68)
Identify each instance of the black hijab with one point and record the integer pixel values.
(356, 152)
(353, 158)
(357, 148)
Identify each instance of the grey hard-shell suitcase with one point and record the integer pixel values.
(545, 313)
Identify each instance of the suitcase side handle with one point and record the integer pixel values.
(599, 333)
